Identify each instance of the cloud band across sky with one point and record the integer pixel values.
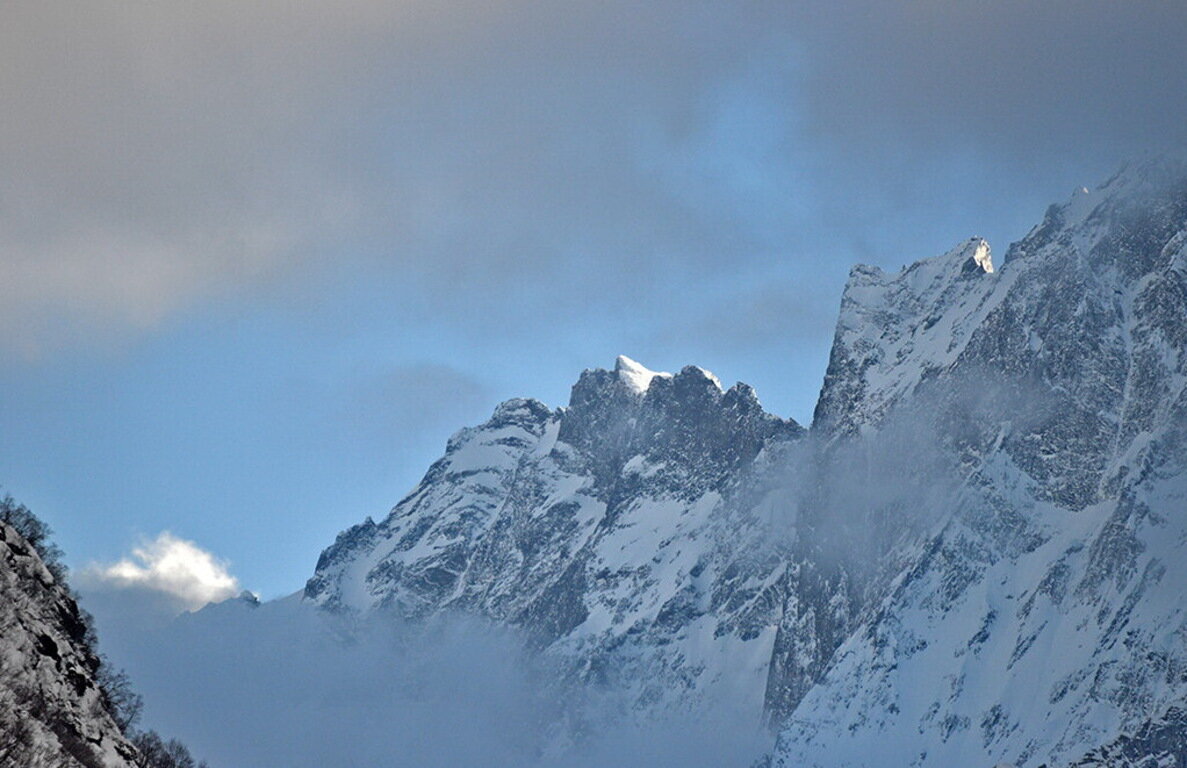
(157, 153)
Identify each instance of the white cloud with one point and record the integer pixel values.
(179, 569)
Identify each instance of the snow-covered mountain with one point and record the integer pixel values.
(609, 530)
(975, 556)
(1046, 615)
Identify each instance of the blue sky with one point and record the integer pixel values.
(258, 263)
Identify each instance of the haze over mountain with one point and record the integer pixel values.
(374, 365)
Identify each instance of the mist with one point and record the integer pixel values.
(285, 685)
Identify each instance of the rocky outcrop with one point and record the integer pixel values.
(1158, 743)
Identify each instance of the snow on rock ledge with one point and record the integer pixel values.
(635, 375)
(897, 329)
(981, 255)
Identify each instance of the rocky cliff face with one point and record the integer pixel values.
(605, 529)
(1044, 616)
(1157, 743)
(52, 712)
(974, 557)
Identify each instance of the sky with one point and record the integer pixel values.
(258, 261)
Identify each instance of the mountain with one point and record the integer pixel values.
(608, 530)
(54, 710)
(1044, 616)
(974, 556)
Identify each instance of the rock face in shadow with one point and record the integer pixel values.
(1157, 743)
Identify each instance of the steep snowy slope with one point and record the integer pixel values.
(1045, 618)
(52, 712)
(619, 531)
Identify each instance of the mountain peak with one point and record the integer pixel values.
(981, 254)
(635, 375)
(997, 462)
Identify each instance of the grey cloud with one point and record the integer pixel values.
(963, 118)
(153, 154)
(1013, 80)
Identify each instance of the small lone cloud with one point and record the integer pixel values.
(176, 568)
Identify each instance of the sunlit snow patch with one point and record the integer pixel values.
(635, 375)
(981, 256)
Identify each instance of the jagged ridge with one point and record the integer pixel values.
(602, 528)
(1040, 618)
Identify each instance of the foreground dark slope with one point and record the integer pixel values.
(61, 704)
(53, 712)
